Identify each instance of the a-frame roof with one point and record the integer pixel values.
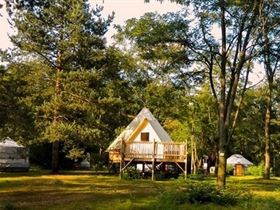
(144, 116)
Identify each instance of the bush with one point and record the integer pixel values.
(230, 169)
(194, 192)
(198, 176)
(231, 196)
(159, 175)
(131, 173)
(255, 170)
(8, 206)
(200, 192)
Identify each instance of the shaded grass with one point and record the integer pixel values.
(42, 190)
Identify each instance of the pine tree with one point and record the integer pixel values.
(66, 40)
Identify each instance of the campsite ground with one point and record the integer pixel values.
(41, 190)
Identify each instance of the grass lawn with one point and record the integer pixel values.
(41, 190)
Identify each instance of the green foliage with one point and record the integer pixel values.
(255, 170)
(177, 130)
(230, 169)
(203, 192)
(179, 41)
(68, 80)
(9, 206)
(198, 176)
(131, 173)
(25, 188)
(171, 199)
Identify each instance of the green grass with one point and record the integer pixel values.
(42, 190)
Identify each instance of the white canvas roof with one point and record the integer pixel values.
(143, 114)
(238, 159)
(8, 142)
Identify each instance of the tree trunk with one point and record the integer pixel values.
(196, 161)
(56, 118)
(267, 134)
(270, 72)
(55, 156)
(221, 178)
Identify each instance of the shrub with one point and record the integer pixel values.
(230, 169)
(256, 170)
(9, 206)
(170, 200)
(159, 175)
(194, 192)
(200, 192)
(231, 196)
(197, 176)
(131, 173)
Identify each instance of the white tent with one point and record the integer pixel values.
(146, 118)
(13, 156)
(8, 142)
(238, 159)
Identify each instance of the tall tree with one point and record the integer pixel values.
(223, 57)
(16, 118)
(270, 56)
(66, 36)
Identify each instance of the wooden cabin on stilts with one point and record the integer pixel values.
(145, 143)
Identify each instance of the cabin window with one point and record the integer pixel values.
(144, 136)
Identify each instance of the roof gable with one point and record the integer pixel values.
(137, 130)
(136, 125)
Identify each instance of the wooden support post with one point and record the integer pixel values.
(186, 160)
(121, 158)
(192, 153)
(153, 161)
(126, 165)
(179, 166)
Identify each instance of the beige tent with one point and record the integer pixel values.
(145, 143)
(144, 122)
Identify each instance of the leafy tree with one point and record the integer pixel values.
(271, 58)
(248, 135)
(231, 53)
(66, 37)
(16, 120)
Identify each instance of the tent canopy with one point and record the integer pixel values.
(8, 142)
(238, 159)
(144, 115)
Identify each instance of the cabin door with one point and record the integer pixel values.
(239, 170)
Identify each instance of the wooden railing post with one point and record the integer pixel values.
(153, 160)
(186, 160)
(121, 157)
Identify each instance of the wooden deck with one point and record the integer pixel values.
(149, 151)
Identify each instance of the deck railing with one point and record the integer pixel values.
(157, 150)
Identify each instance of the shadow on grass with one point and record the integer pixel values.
(258, 184)
(268, 203)
(71, 190)
(35, 173)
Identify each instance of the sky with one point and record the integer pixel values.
(124, 9)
